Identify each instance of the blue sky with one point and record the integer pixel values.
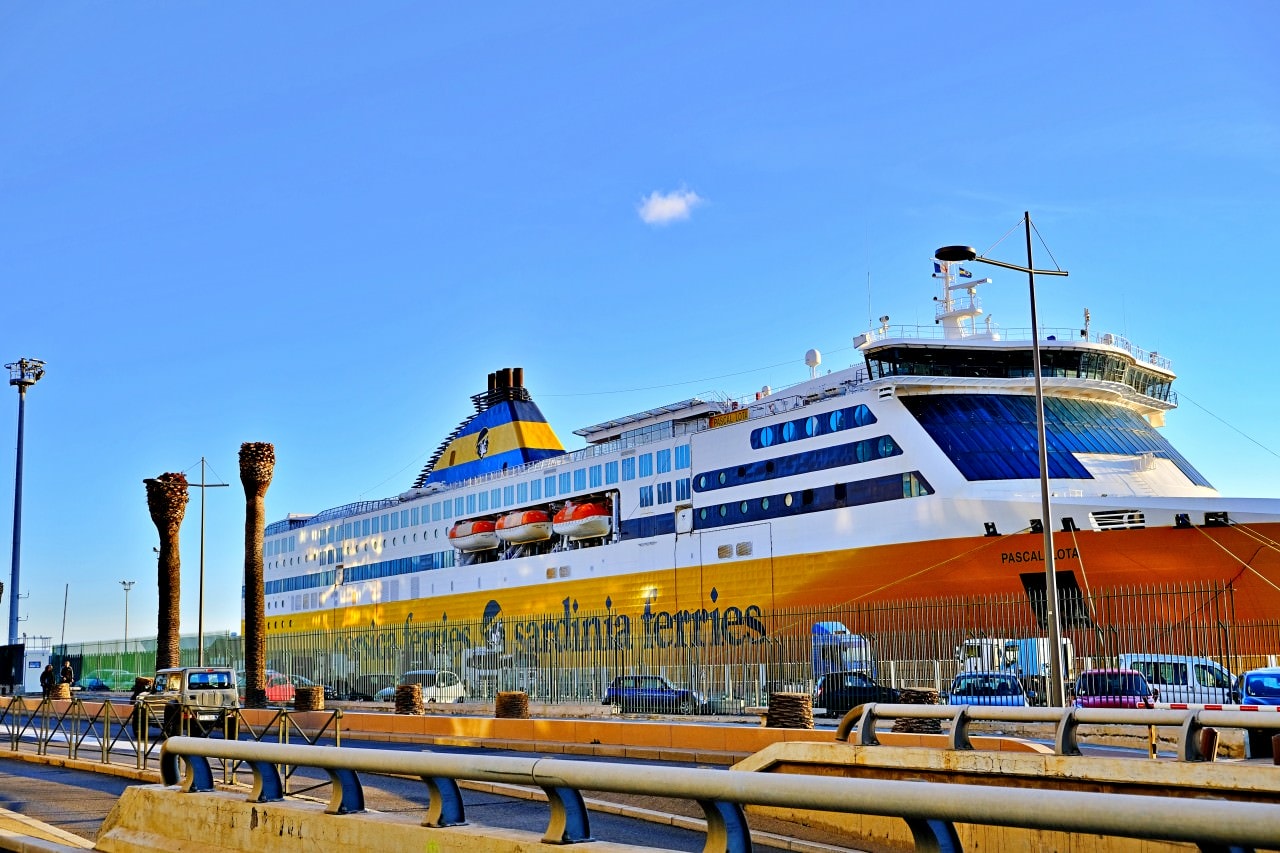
(323, 224)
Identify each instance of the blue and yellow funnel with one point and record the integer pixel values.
(507, 430)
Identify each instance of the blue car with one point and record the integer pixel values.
(1260, 686)
(652, 694)
(987, 688)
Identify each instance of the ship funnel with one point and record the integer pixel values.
(517, 377)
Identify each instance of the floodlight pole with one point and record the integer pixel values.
(200, 617)
(128, 585)
(1052, 617)
(23, 373)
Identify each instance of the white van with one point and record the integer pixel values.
(1181, 678)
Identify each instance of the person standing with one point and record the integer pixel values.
(47, 679)
(68, 675)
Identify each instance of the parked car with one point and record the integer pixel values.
(297, 681)
(652, 694)
(1260, 686)
(438, 685)
(1181, 678)
(838, 692)
(365, 687)
(107, 679)
(188, 700)
(987, 688)
(1113, 688)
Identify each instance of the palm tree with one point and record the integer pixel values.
(167, 500)
(257, 463)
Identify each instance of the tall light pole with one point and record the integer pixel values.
(968, 253)
(128, 585)
(200, 616)
(23, 373)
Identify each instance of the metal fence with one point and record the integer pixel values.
(737, 657)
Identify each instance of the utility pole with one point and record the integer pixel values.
(23, 373)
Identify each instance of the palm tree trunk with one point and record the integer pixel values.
(257, 464)
(167, 501)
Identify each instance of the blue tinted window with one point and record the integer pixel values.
(535, 490)
(663, 459)
(865, 450)
(683, 492)
(564, 483)
(471, 503)
(611, 472)
(993, 437)
(446, 511)
(579, 479)
(364, 527)
(522, 492)
(549, 486)
(458, 507)
(646, 464)
(682, 456)
(495, 498)
(508, 495)
(664, 493)
(482, 501)
(629, 468)
(646, 496)
(597, 476)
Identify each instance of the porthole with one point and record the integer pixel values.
(724, 510)
(886, 447)
(768, 467)
(742, 507)
(702, 514)
(723, 477)
(787, 499)
(811, 427)
(742, 471)
(789, 431)
(766, 436)
(836, 420)
(764, 503)
(702, 482)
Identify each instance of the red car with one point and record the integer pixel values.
(1113, 688)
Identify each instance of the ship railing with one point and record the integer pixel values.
(1047, 335)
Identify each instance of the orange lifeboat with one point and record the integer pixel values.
(583, 521)
(530, 525)
(473, 536)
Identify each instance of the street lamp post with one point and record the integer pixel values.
(200, 616)
(23, 373)
(968, 253)
(128, 585)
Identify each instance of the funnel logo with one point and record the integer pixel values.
(482, 442)
(495, 638)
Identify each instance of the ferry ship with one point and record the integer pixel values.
(913, 474)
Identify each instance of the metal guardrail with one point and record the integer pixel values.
(930, 809)
(95, 728)
(1191, 723)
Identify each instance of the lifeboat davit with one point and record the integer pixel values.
(530, 525)
(583, 521)
(473, 536)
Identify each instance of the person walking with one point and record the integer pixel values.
(47, 679)
(68, 675)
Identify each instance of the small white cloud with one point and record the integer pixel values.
(661, 208)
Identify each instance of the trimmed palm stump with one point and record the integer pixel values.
(511, 704)
(790, 711)
(409, 699)
(919, 727)
(308, 699)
